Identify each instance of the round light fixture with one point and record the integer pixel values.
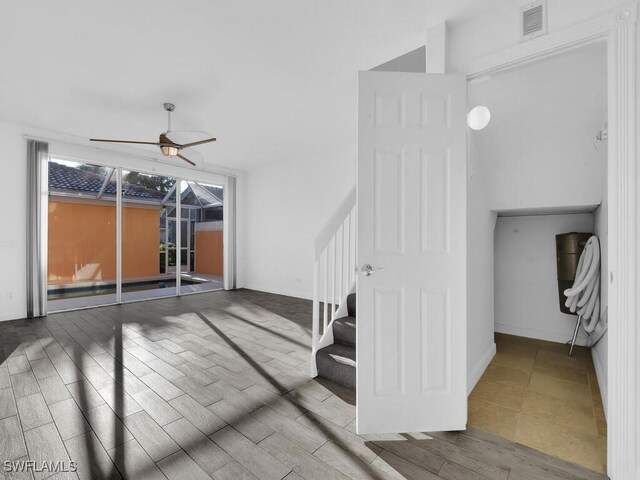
(478, 117)
(169, 150)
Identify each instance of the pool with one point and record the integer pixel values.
(56, 292)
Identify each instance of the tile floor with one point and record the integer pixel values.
(534, 394)
(212, 386)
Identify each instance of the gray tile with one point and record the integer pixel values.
(134, 365)
(206, 454)
(170, 346)
(53, 389)
(18, 364)
(357, 446)
(233, 471)
(43, 368)
(119, 401)
(85, 395)
(44, 445)
(200, 375)
(130, 382)
(204, 419)
(24, 384)
(11, 441)
(425, 459)
(141, 354)
(400, 468)
(234, 414)
(155, 406)
(91, 459)
(238, 381)
(180, 466)
(7, 403)
(156, 442)
(98, 377)
(308, 438)
(298, 459)
(196, 359)
(134, 463)
(5, 382)
(68, 418)
(205, 395)
(161, 386)
(107, 426)
(32, 348)
(33, 411)
(167, 371)
(252, 457)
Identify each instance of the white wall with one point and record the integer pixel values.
(13, 248)
(526, 290)
(287, 205)
(537, 152)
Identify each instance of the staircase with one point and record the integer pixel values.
(333, 348)
(337, 362)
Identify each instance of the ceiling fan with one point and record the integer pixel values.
(168, 147)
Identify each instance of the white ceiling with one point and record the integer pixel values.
(272, 80)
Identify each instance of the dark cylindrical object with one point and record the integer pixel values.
(569, 247)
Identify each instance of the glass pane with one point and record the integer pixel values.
(205, 266)
(163, 266)
(184, 234)
(146, 256)
(172, 232)
(81, 235)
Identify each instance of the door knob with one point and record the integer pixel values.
(369, 270)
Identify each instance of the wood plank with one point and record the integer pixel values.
(252, 457)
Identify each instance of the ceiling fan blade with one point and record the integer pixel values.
(122, 141)
(186, 160)
(193, 144)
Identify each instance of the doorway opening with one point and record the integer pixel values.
(539, 169)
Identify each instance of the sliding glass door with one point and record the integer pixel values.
(148, 246)
(81, 235)
(170, 233)
(202, 265)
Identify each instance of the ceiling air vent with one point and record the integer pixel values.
(533, 19)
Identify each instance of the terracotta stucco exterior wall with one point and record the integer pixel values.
(82, 242)
(209, 253)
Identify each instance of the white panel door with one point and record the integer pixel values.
(411, 345)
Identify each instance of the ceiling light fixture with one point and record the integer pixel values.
(169, 150)
(478, 117)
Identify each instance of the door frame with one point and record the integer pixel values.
(618, 29)
(130, 159)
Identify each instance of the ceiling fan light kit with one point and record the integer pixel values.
(168, 147)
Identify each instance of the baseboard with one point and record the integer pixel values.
(559, 337)
(478, 370)
(601, 375)
(275, 291)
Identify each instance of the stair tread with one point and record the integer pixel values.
(344, 331)
(344, 354)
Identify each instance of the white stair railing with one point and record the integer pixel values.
(333, 272)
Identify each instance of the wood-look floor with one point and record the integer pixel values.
(211, 386)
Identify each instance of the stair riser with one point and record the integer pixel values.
(344, 334)
(336, 372)
(351, 305)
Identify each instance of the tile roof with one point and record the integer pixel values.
(63, 178)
